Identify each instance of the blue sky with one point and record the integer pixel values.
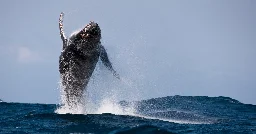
(198, 48)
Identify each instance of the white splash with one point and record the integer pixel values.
(67, 109)
(106, 106)
(109, 106)
(174, 121)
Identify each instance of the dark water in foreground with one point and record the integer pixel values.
(175, 114)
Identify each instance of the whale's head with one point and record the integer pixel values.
(91, 32)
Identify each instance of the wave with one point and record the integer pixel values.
(172, 114)
(174, 109)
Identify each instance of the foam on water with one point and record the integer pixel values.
(175, 121)
(65, 109)
(106, 106)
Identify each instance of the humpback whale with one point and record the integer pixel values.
(78, 58)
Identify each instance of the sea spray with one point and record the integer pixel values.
(71, 108)
(101, 96)
(104, 92)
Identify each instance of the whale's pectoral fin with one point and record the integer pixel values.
(106, 62)
(62, 34)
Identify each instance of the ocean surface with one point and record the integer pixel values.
(172, 114)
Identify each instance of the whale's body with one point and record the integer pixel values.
(78, 59)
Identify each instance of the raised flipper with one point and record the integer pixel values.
(106, 62)
(62, 34)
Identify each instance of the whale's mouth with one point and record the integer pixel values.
(91, 30)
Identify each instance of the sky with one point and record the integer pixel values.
(190, 48)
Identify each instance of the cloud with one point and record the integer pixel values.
(25, 55)
(20, 54)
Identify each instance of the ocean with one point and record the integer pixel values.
(171, 114)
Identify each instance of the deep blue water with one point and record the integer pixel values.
(172, 114)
